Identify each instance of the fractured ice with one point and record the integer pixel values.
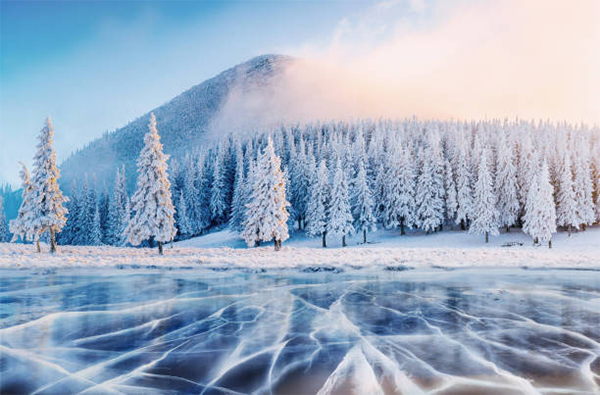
(363, 332)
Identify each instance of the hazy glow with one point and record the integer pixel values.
(531, 59)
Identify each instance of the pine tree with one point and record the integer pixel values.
(49, 213)
(539, 220)
(25, 226)
(362, 201)
(318, 205)
(151, 202)
(238, 204)
(300, 184)
(430, 209)
(506, 186)
(3, 228)
(96, 233)
(399, 192)
(340, 215)
(583, 190)
(451, 193)
(183, 224)
(566, 208)
(485, 215)
(267, 209)
(464, 193)
(118, 210)
(218, 199)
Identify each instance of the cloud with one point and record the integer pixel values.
(467, 60)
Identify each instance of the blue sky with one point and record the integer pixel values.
(93, 66)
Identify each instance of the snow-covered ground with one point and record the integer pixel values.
(386, 248)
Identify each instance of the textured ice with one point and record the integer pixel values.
(363, 332)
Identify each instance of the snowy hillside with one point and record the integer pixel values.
(182, 123)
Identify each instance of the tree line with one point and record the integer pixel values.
(340, 178)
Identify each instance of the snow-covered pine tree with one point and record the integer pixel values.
(340, 215)
(539, 220)
(103, 203)
(151, 202)
(566, 208)
(49, 213)
(362, 202)
(70, 231)
(96, 233)
(318, 204)
(582, 185)
(118, 210)
(238, 203)
(3, 227)
(24, 226)
(429, 200)
(267, 209)
(464, 191)
(451, 205)
(506, 185)
(183, 224)
(218, 198)
(300, 184)
(485, 214)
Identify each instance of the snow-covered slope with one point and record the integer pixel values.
(182, 122)
(222, 250)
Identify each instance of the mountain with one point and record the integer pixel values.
(182, 123)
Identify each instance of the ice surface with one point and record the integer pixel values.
(363, 331)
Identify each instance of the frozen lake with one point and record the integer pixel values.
(302, 332)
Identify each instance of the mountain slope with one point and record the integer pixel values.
(182, 123)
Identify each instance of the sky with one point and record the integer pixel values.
(93, 66)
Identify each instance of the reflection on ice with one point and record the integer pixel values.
(465, 331)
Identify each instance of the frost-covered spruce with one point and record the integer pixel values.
(362, 202)
(119, 211)
(399, 189)
(451, 205)
(506, 185)
(219, 192)
(151, 203)
(183, 222)
(96, 230)
(24, 225)
(340, 215)
(429, 199)
(485, 215)
(582, 185)
(49, 214)
(268, 205)
(539, 220)
(300, 184)
(464, 195)
(318, 204)
(566, 208)
(238, 203)
(3, 227)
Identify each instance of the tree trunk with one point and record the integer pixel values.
(487, 237)
(324, 239)
(277, 244)
(52, 241)
(344, 241)
(299, 222)
(364, 236)
(536, 240)
(151, 242)
(160, 248)
(462, 224)
(37, 242)
(583, 227)
(549, 243)
(507, 229)
(569, 230)
(402, 232)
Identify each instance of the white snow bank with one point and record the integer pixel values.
(446, 249)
